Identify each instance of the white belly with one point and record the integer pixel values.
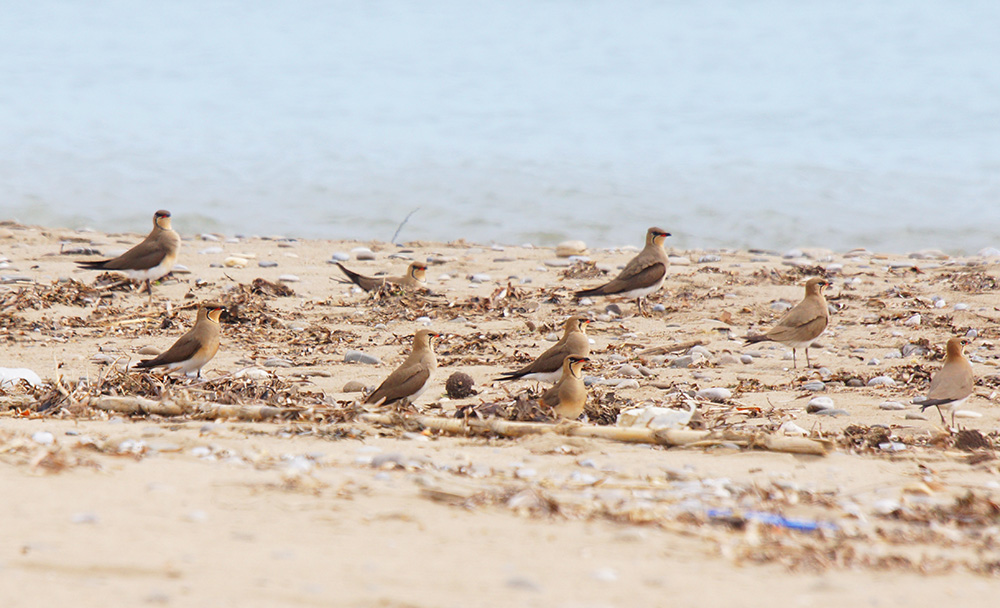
(150, 274)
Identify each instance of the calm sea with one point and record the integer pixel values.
(771, 124)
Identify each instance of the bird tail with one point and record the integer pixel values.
(92, 264)
(586, 293)
(507, 376)
(755, 339)
(926, 403)
(145, 363)
(353, 276)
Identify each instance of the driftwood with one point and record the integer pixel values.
(668, 437)
(206, 409)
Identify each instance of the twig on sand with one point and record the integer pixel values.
(668, 437)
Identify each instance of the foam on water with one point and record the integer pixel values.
(771, 124)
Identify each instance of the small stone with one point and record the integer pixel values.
(915, 416)
(363, 253)
(679, 260)
(790, 428)
(254, 373)
(972, 334)
(43, 438)
(780, 306)
(814, 386)
(210, 250)
(210, 237)
(613, 309)
(709, 259)
(699, 351)
(479, 278)
(913, 321)
(728, 359)
(558, 263)
(881, 381)
(586, 302)
(891, 405)
(716, 394)
(356, 356)
(988, 252)
(149, 350)
(832, 412)
(339, 256)
(746, 359)
(277, 362)
(855, 383)
(817, 404)
(684, 361)
(892, 446)
(659, 308)
(793, 253)
(566, 249)
(353, 386)
(235, 262)
(630, 371)
(912, 349)
(627, 383)
(288, 278)
(961, 306)
(267, 263)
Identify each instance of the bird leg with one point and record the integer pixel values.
(794, 363)
(808, 362)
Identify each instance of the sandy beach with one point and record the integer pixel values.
(315, 505)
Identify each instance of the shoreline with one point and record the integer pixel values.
(198, 492)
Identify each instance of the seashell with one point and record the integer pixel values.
(235, 262)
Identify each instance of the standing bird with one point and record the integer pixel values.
(803, 323)
(568, 397)
(411, 378)
(952, 384)
(643, 275)
(195, 348)
(415, 277)
(548, 366)
(151, 259)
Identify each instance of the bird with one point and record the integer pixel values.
(568, 397)
(643, 275)
(952, 384)
(803, 323)
(415, 277)
(411, 378)
(151, 259)
(548, 366)
(195, 348)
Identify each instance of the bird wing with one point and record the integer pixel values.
(551, 396)
(952, 384)
(638, 274)
(800, 323)
(147, 254)
(183, 349)
(401, 383)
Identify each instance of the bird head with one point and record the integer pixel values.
(161, 219)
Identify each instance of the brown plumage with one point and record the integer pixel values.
(569, 396)
(803, 323)
(411, 378)
(643, 275)
(151, 259)
(195, 348)
(548, 366)
(953, 383)
(415, 277)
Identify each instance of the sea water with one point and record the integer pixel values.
(768, 124)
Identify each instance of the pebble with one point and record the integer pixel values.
(684, 361)
(855, 383)
(717, 394)
(180, 269)
(967, 414)
(356, 356)
(558, 263)
(892, 446)
(43, 438)
(972, 334)
(793, 253)
(817, 404)
(874, 361)
(709, 259)
(814, 386)
(277, 362)
(353, 386)
(479, 278)
(988, 252)
(267, 263)
(567, 248)
(891, 405)
(210, 250)
(915, 416)
(699, 351)
(659, 308)
(881, 381)
(339, 256)
(210, 237)
(790, 428)
(288, 278)
(363, 253)
(254, 373)
(678, 260)
(832, 412)
(913, 321)
(626, 383)
(746, 359)
(149, 350)
(912, 349)
(613, 309)
(781, 305)
(886, 506)
(728, 359)
(235, 262)
(629, 371)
